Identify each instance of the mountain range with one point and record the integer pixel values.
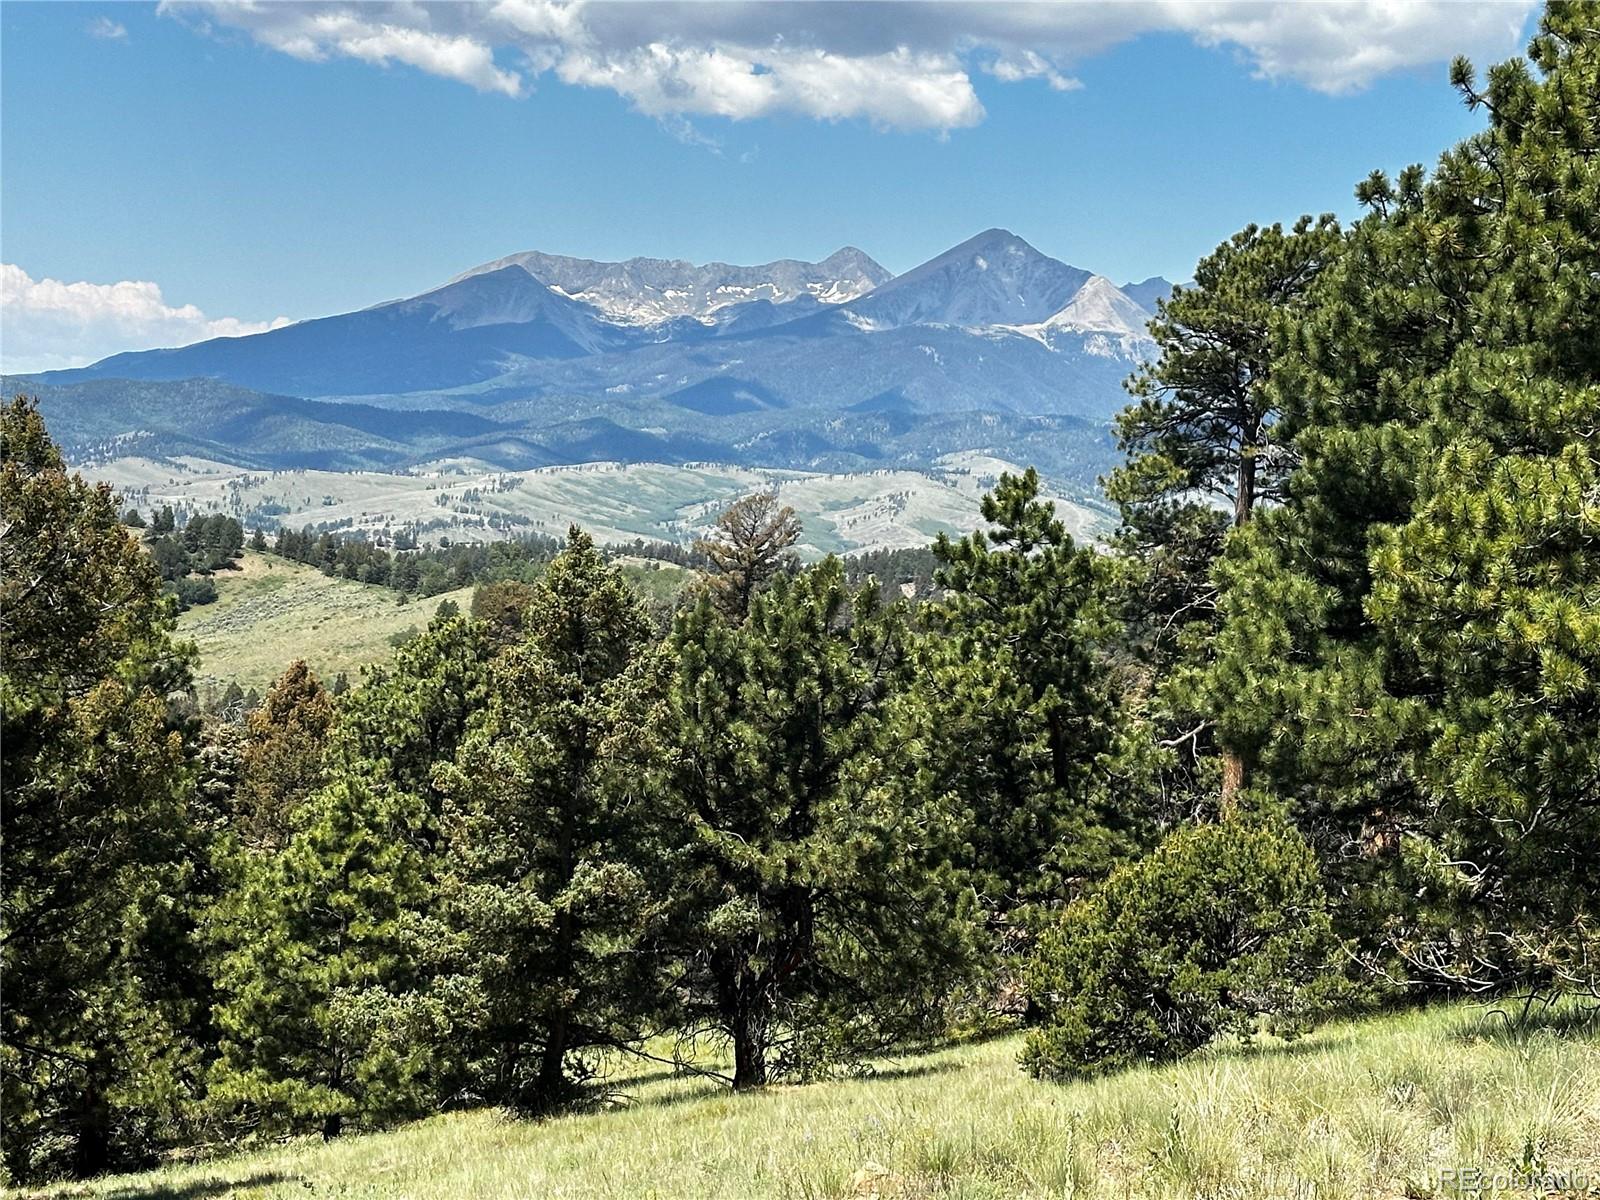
(537, 358)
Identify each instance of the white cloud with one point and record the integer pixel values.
(47, 325)
(377, 34)
(108, 30)
(1013, 68)
(1343, 47)
(906, 65)
(898, 89)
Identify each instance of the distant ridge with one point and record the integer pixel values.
(833, 362)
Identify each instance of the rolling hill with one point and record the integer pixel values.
(989, 349)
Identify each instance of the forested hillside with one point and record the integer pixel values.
(1317, 734)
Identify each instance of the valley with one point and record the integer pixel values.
(464, 499)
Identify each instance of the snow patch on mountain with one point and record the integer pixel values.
(650, 291)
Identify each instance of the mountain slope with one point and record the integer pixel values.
(989, 325)
(1146, 292)
(110, 418)
(646, 291)
(995, 278)
(462, 333)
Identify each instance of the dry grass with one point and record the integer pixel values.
(274, 610)
(1358, 1111)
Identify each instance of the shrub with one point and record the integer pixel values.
(193, 591)
(1220, 926)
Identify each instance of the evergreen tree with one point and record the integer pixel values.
(281, 759)
(1220, 926)
(319, 1016)
(412, 712)
(1409, 647)
(1009, 718)
(750, 544)
(502, 607)
(329, 952)
(555, 856)
(99, 848)
(810, 921)
(1203, 432)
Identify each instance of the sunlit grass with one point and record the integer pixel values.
(1359, 1110)
(274, 610)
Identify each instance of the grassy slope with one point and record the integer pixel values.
(1359, 1110)
(614, 503)
(274, 611)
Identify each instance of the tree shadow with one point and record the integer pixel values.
(1513, 1021)
(906, 1070)
(1278, 1048)
(199, 1189)
(889, 1073)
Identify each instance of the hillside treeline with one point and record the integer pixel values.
(1321, 729)
(187, 556)
(419, 571)
(429, 570)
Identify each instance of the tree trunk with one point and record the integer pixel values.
(749, 1051)
(332, 1126)
(1244, 498)
(1232, 781)
(91, 1151)
(552, 1079)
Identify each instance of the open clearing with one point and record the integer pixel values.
(1360, 1110)
(273, 610)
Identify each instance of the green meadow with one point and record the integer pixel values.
(1359, 1110)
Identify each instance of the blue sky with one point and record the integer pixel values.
(222, 164)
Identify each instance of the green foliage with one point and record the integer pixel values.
(1007, 721)
(1218, 927)
(1203, 427)
(186, 559)
(805, 825)
(555, 856)
(502, 607)
(1203, 449)
(281, 757)
(810, 919)
(327, 1005)
(317, 1019)
(99, 990)
(413, 712)
(1409, 649)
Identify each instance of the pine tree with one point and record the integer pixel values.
(750, 544)
(1222, 925)
(1204, 432)
(282, 757)
(1010, 717)
(811, 918)
(318, 1013)
(99, 848)
(555, 856)
(329, 953)
(1409, 647)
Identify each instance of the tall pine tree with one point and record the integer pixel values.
(1409, 647)
(99, 849)
(554, 884)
